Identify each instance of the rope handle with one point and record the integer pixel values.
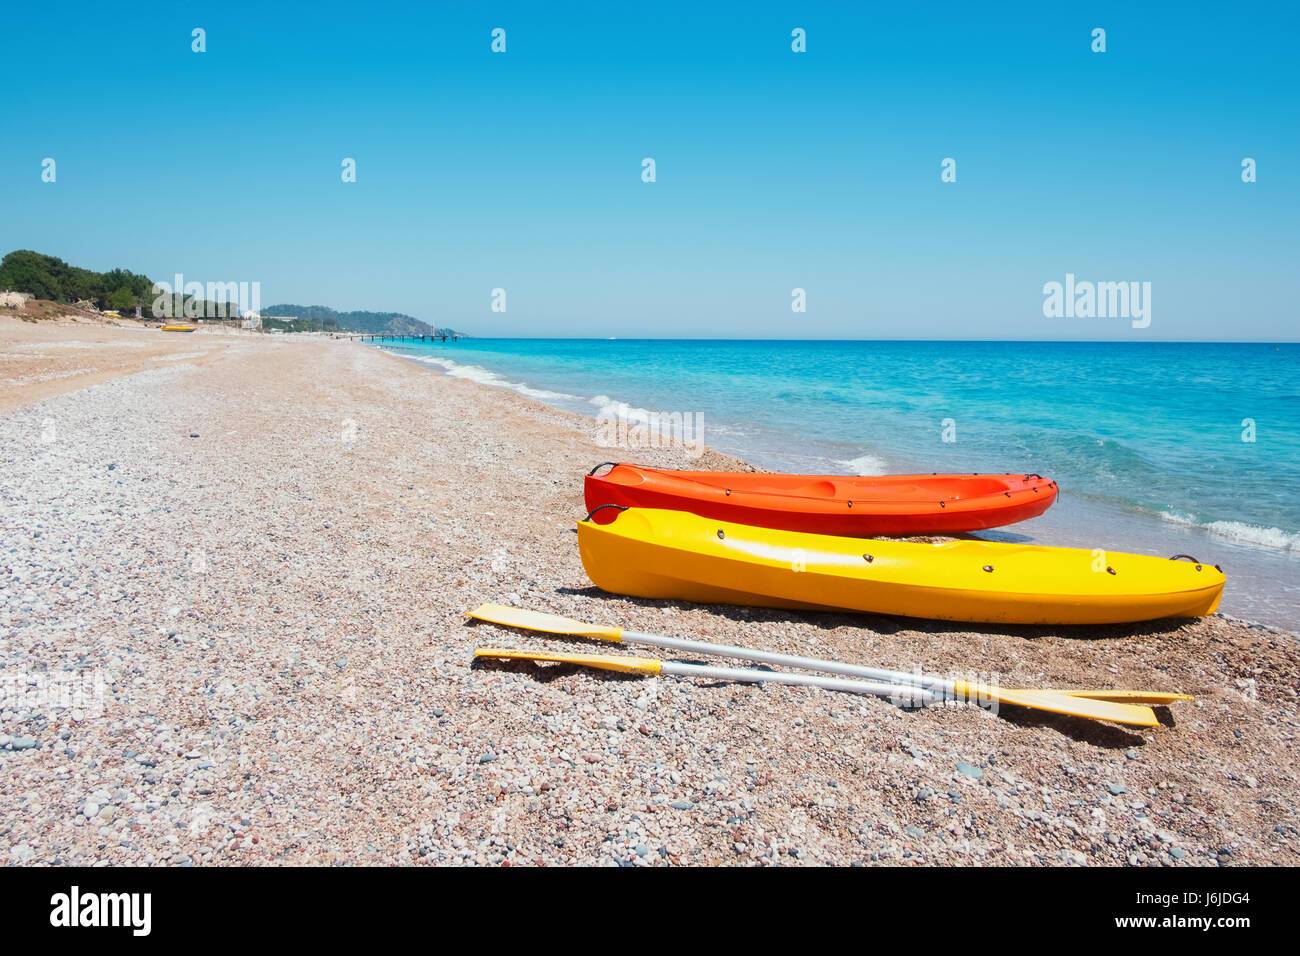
(602, 508)
(1179, 557)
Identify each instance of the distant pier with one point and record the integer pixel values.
(367, 337)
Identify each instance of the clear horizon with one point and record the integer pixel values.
(775, 170)
(740, 338)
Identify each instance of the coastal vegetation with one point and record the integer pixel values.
(50, 278)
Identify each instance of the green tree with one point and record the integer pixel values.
(26, 271)
(122, 299)
(48, 277)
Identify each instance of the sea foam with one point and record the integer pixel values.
(865, 465)
(612, 408)
(476, 373)
(1239, 531)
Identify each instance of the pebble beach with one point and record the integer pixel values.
(234, 570)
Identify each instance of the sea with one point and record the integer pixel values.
(1158, 448)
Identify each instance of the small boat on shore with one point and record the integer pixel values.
(899, 505)
(651, 553)
(179, 328)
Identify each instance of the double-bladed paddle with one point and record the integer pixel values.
(1121, 706)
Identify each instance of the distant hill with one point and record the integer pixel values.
(377, 323)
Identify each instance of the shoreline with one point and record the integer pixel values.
(1259, 576)
(272, 579)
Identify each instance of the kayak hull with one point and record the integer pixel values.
(651, 553)
(898, 505)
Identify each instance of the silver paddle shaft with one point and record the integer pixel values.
(902, 693)
(934, 685)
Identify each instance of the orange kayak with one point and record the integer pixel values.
(897, 505)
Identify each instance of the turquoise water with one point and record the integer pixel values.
(1146, 440)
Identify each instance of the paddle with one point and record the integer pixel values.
(650, 667)
(554, 624)
(1087, 703)
(900, 693)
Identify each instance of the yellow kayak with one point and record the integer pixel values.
(649, 553)
(179, 328)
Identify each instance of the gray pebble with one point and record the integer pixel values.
(968, 770)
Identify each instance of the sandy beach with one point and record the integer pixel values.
(251, 556)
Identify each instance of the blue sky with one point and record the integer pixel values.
(775, 170)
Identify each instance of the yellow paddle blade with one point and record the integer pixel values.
(1129, 696)
(1058, 703)
(645, 666)
(537, 621)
